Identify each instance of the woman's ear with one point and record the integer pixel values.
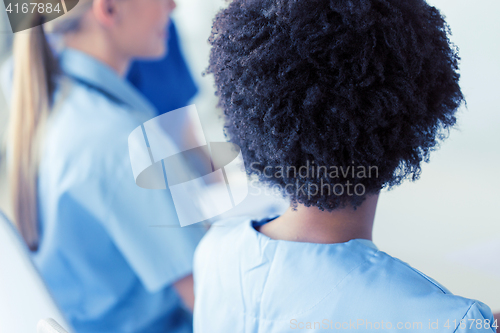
(105, 11)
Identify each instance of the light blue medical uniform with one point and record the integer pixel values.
(246, 282)
(110, 250)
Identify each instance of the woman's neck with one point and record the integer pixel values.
(101, 49)
(311, 225)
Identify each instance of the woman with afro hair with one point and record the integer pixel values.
(330, 101)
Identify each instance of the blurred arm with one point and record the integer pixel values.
(185, 290)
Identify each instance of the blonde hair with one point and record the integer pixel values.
(35, 71)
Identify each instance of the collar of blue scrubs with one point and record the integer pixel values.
(367, 242)
(255, 224)
(89, 70)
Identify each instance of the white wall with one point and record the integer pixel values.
(194, 21)
(447, 224)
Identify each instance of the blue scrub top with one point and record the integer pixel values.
(246, 282)
(107, 267)
(166, 83)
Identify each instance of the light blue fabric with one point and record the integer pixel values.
(246, 282)
(103, 256)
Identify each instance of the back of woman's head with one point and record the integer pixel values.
(356, 92)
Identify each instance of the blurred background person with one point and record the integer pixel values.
(166, 82)
(73, 193)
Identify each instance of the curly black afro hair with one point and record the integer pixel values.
(334, 83)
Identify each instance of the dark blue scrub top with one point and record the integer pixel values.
(166, 83)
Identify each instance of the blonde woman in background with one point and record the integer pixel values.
(75, 201)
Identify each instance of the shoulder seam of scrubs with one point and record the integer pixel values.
(465, 315)
(435, 283)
